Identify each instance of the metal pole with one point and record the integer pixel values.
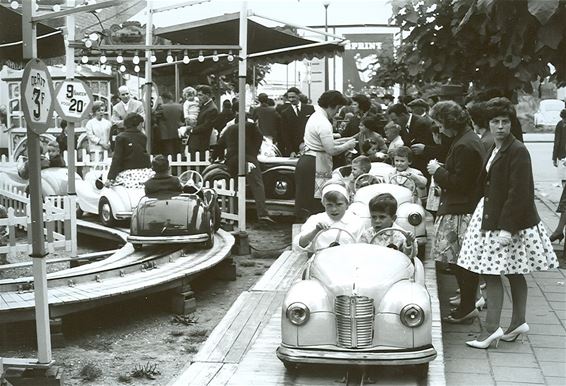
(242, 68)
(71, 192)
(36, 206)
(177, 83)
(325, 39)
(147, 102)
(334, 66)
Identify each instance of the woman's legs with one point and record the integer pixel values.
(495, 295)
(519, 292)
(468, 283)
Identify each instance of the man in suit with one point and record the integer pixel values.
(125, 106)
(293, 122)
(199, 138)
(414, 130)
(169, 117)
(267, 118)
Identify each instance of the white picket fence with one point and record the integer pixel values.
(56, 216)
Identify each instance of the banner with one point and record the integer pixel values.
(361, 58)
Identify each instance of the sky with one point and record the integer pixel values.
(304, 12)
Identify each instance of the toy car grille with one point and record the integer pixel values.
(354, 321)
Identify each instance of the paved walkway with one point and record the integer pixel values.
(541, 358)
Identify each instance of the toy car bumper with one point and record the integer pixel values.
(185, 239)
(123, 215)
(357, 357)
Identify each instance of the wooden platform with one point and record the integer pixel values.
(125, 274)
(241, 349)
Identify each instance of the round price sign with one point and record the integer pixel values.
(37, 95)
(73, 100)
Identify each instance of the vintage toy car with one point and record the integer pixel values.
(548, 113)
(357, 304)
(190, 217)
(54, 181)
(410, 213)
(112, 203)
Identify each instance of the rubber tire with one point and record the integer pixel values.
(421, 252)
(112, 221)
(209, 244)
(421, 371)
(291, 367)
(137, 247)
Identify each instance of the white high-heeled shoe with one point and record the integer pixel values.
(480, 303)
(487, 341)
(513, 335)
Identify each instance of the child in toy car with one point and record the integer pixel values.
(402, 158)
(383, 209)
(162, 183)
(335, 201)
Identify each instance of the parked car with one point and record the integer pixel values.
(357, 304)
(190, 217)
(548, 113)
(112, 203)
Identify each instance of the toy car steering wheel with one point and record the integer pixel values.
(365, 180)
(320, 244)
(404, 181)
(192, 182)
(402, 231)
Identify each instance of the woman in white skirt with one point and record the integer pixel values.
(505, 235)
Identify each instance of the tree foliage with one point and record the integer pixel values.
(493, 43)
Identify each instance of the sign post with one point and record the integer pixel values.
(37, 95)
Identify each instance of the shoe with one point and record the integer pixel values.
(466, 319)
(513, 335)
(266, 219)
(454, 298)
(481, 303)
(483, 286)
(488, 341)
(556, 236)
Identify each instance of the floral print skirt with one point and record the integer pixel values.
(134, 178)
(449, 231)
(530, 250)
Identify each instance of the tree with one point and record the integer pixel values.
(492, 43)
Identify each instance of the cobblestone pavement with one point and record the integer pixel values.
(541, 357)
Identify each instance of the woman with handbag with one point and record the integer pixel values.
(456, 179)
(314, 168)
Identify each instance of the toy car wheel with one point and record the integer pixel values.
(210, 242)
(137, 247)
(421, 371)
(421, 252)
(291, 366)
(105, 213)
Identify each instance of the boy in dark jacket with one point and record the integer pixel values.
(162, 183)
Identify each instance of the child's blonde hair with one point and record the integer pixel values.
(364, 162)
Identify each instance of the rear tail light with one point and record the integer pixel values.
(415, 219)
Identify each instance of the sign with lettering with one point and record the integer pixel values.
(37, 95)
(73, 100)
(362, 58)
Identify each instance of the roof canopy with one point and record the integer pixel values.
(11, 47)
(265, 44)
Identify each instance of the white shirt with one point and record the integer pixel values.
(318, 132)
(98, 133)
(396, 143)
(349, 222)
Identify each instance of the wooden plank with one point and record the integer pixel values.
(198, 374)
(3, 303)
(236, 328)
(216, 336)
(223, 376)
(265, 281)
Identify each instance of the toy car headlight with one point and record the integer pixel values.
(412, 315)
(298, 313)
(415, 219)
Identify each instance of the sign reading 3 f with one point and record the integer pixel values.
(37, 91)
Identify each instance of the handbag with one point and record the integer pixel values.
(433, 198)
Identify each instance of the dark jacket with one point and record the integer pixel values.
(229, 141)
(158, 186)
(418, 131)
(169, 118)
(458, 177)
(292, 129)
(199, 139)
(130, 152)
(559, 150)
(508, 189)
(268, 121)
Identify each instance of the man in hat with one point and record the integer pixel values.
(419, 107)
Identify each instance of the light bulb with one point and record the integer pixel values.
(200, 57)
(169, 57)
(93, 36)
(137, 68)
(103, 59)
(122, 68)
(230, 57)
(56, 7)
(136, 59)
(14, 5)
(120, 58)
(152, 58)
(84, 59)
(215, 56)
(88, 43)
(186, 59)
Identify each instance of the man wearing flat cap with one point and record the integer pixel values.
(419, 107)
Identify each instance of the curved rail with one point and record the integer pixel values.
(124, 274)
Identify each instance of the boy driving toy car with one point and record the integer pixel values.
(162, 183)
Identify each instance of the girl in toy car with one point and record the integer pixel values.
(335, 201)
